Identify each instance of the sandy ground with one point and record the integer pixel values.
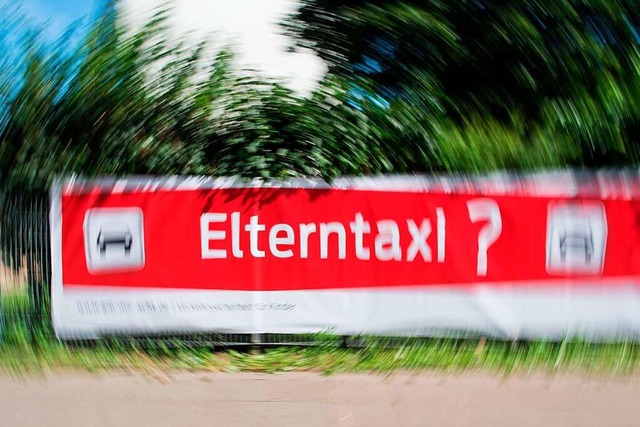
(307, 399)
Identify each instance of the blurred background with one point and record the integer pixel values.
(314, 88)
(308, 88)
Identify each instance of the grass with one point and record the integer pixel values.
(29, 346)
(445, 355)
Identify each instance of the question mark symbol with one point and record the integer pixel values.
(485, 210)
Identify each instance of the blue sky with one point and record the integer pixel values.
(256, 36)
(57, 15)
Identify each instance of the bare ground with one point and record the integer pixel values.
(310, 399)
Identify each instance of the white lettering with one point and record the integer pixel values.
(305, 231)
(332, 228)
(235, 235)
(440, 220)
(254, 227)
(274, 240)
(485, 210)
(283, 239)
(359, 228)
(387, 242)
(207, 235)
(419, 238)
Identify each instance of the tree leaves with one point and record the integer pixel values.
(568, 67)
(139, 103)
(413, 87)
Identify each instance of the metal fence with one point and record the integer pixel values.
(25, 304)
(24, 267)
(25, 272)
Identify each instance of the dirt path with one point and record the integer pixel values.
(305, 399)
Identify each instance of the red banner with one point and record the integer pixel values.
(274, 239)
(547, 256)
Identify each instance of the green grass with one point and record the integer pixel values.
(28, 345)
(439, 354)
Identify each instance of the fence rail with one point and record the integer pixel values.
(25, 265)
(25, 302)
(25, 272)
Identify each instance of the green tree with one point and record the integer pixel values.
(125, 102)
(130, 102)
(567, 66)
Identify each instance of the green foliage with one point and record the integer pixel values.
(569, 68)
(482, 145)
(139, 103)
(413, 87)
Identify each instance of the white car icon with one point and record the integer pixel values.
(114, 234)
(576, 238)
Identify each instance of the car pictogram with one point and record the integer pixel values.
(114, 234)
(576, 239)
